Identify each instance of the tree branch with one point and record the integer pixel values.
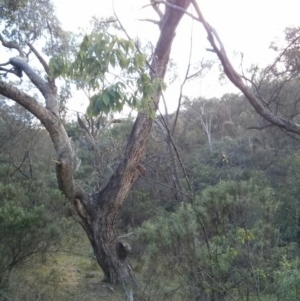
(25, 100)
(9, 71)
(150, 20)
(12, 45)
(156, 8)
(237, 80)
(5, 64)
(260, 128)
(176, 7)
(39, 57)
(48, 90)
(183, 83)
(112, 196)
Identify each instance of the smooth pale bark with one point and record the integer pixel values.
(97, 212)
(238, 81)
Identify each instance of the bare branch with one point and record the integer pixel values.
(195, 74)
(25, 100)
(237, 80)
(39, 57)
(171, 187)
(170, 142)
(156, 8)
(12, 45)
(5, 64)
(260, 128)
(9, 71)
(89, 136)
(183, 83)
(18, 168)
(150, 20)
(129, 38)
(178, 8)
(48, 90)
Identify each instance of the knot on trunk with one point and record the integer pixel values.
(123, 249)
(141, 169)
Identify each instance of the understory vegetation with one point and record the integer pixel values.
(235, 237)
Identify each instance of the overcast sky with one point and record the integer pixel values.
(244, 26)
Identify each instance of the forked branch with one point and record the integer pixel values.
(12, 45)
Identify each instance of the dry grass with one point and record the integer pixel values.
(62, 277)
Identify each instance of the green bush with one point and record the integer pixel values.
(27, 226)
(222, 246)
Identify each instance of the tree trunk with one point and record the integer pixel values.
(98, 212)
(112, 254)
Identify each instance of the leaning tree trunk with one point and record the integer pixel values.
(98, 212)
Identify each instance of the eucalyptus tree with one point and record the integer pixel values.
(97, 53)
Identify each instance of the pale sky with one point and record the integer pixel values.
(244, 26)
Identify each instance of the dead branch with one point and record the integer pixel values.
(183, 83)
(156, 8)
(260, 128)
(150, 20)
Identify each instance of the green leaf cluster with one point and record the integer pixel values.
(103, 57)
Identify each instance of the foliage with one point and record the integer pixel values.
(223, 245)
(26, 226)
(29, 20)
(26, 150)
(289, 214)
(288, 277)
(101, 56)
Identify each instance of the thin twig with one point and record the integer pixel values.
(129, 38)
(168, 4)
(150, 20)
(39, 57)
(183, 83)
(151, 180)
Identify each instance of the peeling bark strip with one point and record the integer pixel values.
(97, 212)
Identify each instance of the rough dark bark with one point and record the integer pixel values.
(97, 212)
